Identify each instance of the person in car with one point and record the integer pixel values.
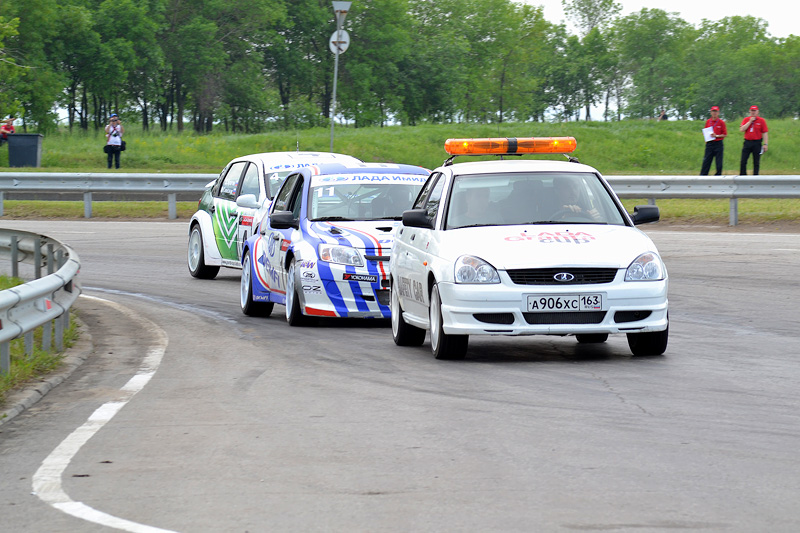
(571, 198)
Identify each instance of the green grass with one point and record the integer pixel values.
(26, 368)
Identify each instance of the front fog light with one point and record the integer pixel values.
(471, 269)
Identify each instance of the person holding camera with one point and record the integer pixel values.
(114, 132)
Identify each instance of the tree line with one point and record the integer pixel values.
(254, 65)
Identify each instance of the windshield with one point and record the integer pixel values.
(530, 198)
(362, 201)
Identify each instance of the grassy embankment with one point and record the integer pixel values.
(620, 148)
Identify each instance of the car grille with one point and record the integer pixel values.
(494, 318)
(545, 276)
(585, 317)
(630, 316)
(383, 296)
(377, 257)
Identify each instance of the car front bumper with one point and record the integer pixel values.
(501, 309)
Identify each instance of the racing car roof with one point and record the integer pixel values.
(496, 167)
(372, 168)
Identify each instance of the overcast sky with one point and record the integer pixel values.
(782, 18)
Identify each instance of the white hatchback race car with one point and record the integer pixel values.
(524, 248)
(233, 203)
(323, 249)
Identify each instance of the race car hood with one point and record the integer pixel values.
(375, 237)
(542, 246)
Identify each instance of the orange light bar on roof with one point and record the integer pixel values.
(511, 145)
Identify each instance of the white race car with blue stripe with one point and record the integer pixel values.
(323, 249)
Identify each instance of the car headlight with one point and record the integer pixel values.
(471, 269)
(343, 255)
(646, 267)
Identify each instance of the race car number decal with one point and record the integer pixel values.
(558, 237)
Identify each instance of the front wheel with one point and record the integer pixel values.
(249, 307)
(196, 256)
(402, 333)
(444, 346)
(294, 315)
(651, 343)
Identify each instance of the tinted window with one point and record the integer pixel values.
(530, 198)
(434, 199)
(250, 181)
(285, 194)
(426, 189)
(230, 182)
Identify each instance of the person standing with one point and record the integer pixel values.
(714, 147)
(114, 132)
(756, 137)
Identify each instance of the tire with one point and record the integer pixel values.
(444, 346)
(592, 338)
(249, 307)
(294, 315)
(653, 343)
(196, 256)
(402, 333)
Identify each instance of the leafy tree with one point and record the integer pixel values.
(591, 14)
(9, 70)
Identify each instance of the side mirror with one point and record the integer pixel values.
(248, 201)
(417, 218)
(283, 220)
(643, 214)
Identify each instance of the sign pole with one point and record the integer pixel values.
(340, 9)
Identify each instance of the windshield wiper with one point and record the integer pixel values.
(325, 219)
(397, 217)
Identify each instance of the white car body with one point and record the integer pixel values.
(424, 259)
(237, 200)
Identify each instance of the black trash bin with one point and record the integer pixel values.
(25, 149)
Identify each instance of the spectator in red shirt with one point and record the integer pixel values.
(5, 129)
(714, 147)
(756, 137)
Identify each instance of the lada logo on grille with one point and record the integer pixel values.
(563, 277)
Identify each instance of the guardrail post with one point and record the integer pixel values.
(172, 198)
(734, 212)
(50, 259)
(5, 357)
(29, 343)
(47, 336)
(14, 257)
(37, 258)
(87, 205)
(60, 332)
(2, 197)
(651, 201)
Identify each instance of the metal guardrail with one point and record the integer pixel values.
(650, 187)
(87, 183)
(45, 301)
(732, 187)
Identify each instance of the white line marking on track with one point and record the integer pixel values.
(47, 480)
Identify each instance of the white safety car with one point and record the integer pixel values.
(520, 247)
(232, 204)
(324, 247)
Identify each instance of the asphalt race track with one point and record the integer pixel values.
(188, 416)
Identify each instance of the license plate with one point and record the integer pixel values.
(565, 302)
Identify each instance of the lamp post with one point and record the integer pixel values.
(338, 44)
